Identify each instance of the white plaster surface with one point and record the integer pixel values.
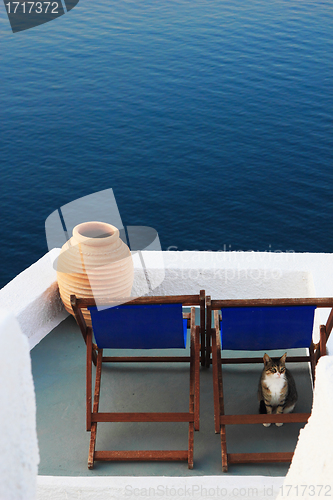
(118, 488)
(33, 297)
(18, 437)
(241, 275)
(311, 472)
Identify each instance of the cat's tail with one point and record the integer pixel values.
(262, 407)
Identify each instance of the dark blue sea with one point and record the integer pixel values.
(212, 121)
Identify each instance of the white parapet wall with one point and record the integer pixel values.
(240, 275)
(155, 488)
(311, 472)
(33, 297)
(18, 437)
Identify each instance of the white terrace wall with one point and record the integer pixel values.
(33, 296)
(18, 437)
(311, 472)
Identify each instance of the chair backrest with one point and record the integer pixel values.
(147, 326)
(152, 322)
(267, 324)
(260, 328)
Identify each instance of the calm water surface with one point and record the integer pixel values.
(212, 122)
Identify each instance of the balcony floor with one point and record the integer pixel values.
(58, 365)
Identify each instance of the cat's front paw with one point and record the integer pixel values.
(278, 424)
(267, 424)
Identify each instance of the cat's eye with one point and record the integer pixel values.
(273, 370)
(282, 370)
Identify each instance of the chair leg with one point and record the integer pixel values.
(93, 433)
(221, 411)
(215, 384)
(318, 350)
(218, 396)
(197, 380)
(195, 369)
(208, 348)
(203, 349)
(203, 327)
(312, 361)
(224, 449)
(190, 439)
(92, 445)
(194, 386)
(322, 342)
(88, 378)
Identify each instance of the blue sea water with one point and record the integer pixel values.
(211, 120)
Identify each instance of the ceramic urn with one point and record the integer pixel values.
(94, 262)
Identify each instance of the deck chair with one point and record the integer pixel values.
(142, 323)
(261, 324)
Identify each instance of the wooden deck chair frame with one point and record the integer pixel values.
(214, 338)
(95, 355)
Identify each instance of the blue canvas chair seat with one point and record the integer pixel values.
(149, 326)
(259, 325)
(143, 323)
(266, 328)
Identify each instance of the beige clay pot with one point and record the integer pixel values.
(95, 262)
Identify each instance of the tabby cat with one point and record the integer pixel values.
(277, 389)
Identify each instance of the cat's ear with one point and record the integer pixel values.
(266, 359)
(283, 358)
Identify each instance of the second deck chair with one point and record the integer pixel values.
(143, 323)
(261, 324)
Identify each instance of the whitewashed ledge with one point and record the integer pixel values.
(152, 487)
(34, 299)
(33, 296)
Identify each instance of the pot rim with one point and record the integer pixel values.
(95, 226)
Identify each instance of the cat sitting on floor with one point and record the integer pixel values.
(277, 389)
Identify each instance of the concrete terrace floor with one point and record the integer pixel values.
(58, 365)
